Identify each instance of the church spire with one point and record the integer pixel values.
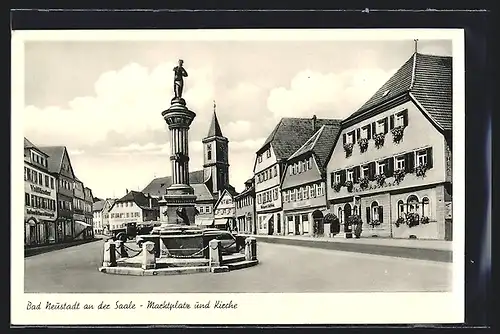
(214, 130)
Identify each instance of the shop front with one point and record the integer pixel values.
(39, 227)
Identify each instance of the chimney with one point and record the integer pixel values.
(314, 123)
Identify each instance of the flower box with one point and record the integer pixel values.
(337, 186)
(363, 145)
(374, 223)
(412, 219)
(420, 170)
(424, 220)
(363, 182)
(379, 139)
(349, 185)
(397, 134)
(348, 149)
(380, 178)
(400, 221)
(399, 175)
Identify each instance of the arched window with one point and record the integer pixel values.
(426, 209)
(340, 215)
(413, 205)
(209, 151)
(401, 208)
(374, 207)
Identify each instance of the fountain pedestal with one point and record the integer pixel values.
(178, 205)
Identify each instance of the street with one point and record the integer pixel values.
(282, 268)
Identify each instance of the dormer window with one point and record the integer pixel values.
(386, 93)
(350, 137)
(259, 159)
(268, 153)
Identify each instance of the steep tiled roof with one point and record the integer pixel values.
(27, 143)
(55, 158)
(320, 144)
(98, 206)
(428, 78)
(159, 185)
(214, 129)
(139, 198)
(244, 192)
(201, 191)
(291, 133)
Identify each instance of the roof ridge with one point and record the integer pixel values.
(413, 69)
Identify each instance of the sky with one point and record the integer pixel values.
(103, 100)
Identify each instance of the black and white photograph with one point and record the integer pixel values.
(234, 176)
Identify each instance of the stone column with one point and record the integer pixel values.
(250, 249)
(215, 253)
(180, 194)
(148, 255)
(109, 254)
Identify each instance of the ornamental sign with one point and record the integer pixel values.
(40, 190)
(40, 214)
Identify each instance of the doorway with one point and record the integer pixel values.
(347, 214)
(318, 221)
(297, 225)
(278, 224)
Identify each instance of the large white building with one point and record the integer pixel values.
(40, 209)
(134, 207)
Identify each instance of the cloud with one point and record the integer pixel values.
(334, 95)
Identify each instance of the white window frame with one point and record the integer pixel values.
(380, 126)
(201, 209)
(337, 177)
(299, 194)
(379, 165)
(291, 170)
(399, 119)
(365, 170)
(312, 191)
(309, 163)
(364, 132)
(350, 175)
(305, 193)
(350, 137)
(259, 158)
(421, 157)
(268, 153)
(286, 197)
(399, 162)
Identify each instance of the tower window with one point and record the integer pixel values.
(209, 151)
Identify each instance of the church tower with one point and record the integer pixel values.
(215, 157)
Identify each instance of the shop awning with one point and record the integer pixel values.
(222, 221)
(203, 221)
(82, 223)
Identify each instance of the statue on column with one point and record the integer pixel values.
(179, 74)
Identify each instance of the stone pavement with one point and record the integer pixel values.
(433, 250)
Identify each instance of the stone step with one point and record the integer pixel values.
(233, 258)
(154, 272)
(178, 263)
(242, 264)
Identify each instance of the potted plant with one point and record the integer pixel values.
(379, 139)
(363, 145)
(374, 223)
(397, 134)
(420, 170)
(349, 185)
(348, 149)
(424, 220)
(334, 222)
(412, 219)
(399, 175)
(337, 186)
(363, 182)
(399, 221)
(380, 178)
(356, 222)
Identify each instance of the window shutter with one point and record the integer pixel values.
(391, 122)
(405, 117)
(356, 174)
(410, 162)
(374, 128)
(368, 130)
(386, 125)
(358, 134)
(368, 215)
(371, 175)
(353, 136)
(342, 176)
(332, 179)
(344, 138)
(390, 167)
(381, 214)
(429, 158)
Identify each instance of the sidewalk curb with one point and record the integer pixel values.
(428, 254)
(28, 252)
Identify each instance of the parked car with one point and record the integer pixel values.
(230, 242)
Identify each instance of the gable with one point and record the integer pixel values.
(304, 177)
(226, 200)
(66, 168)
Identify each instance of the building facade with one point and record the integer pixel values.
(40, 209)
(225, 211)
(245, 209)
(88, 211)
(134, 207)
(80, 225)
(392, 162)
(303, 185)
(286, 138)
(59, 165)
(100, 219)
